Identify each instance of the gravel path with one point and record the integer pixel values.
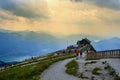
(57, 72)
(114, 63)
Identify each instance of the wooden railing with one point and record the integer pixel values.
(104, 54)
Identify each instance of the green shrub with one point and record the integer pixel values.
(72, 68)
(95, 71)
(92, 62)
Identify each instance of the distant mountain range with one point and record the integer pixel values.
(16, 46)
(107, 44)
(2, 63)
(25, 44)
(6, 63)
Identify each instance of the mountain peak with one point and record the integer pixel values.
(2, 63)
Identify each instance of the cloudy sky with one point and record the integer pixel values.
(62, 17)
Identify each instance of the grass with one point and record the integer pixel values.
(117, 77)
(95, 71)
(92, 62)
(72, 67)
(31, 72)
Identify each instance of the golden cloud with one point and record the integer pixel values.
(65, 18)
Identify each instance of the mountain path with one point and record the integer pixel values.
(57, 72)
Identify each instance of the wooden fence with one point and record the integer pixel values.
(104, 54)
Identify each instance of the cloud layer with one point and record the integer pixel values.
(25, 8)
(112, 4)
(62, 17)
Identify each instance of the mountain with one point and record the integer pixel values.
(25, 44)
(2, 63)
(6, 63)
(107, 44)
(16, 46)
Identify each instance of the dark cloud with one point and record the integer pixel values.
(76, 0)
(20, 9)
(112, 4)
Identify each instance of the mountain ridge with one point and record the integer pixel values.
(16, 46)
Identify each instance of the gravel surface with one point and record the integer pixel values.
(86, 70)
(57, 72)
(114, 63)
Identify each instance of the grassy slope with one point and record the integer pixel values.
(72, 67)
(31, 72)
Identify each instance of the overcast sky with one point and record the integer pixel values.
(62, 17)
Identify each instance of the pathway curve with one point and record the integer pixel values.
(57, 72)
